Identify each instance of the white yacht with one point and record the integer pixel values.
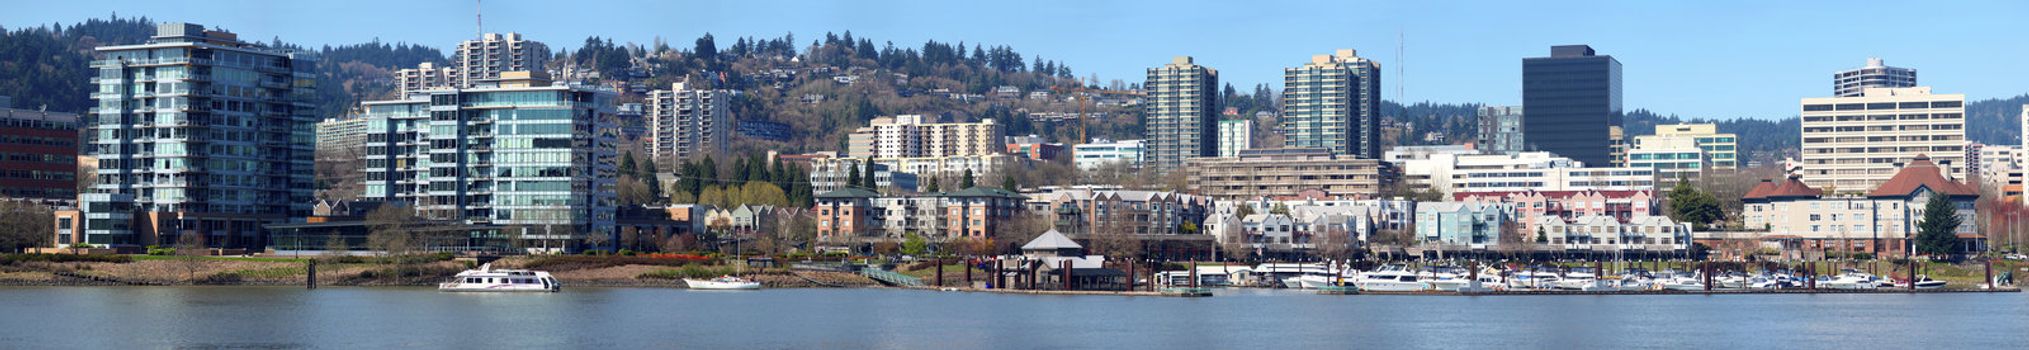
(1444, 278)
(1851, 279)
(1683, 281)
(487, 279)
(727, 282)
(1391, 278)
(1585, 279)
(1533, 280)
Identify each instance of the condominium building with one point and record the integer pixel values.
(197, 132)
(856, 216)
(340, 150)
(910, 135)
(495, 53)
(1081, 210)
(425, 76)
(1500, 130)
(832, 174)
(1852, 144)
(341, 136)
(688, 123)
(1450, 173)
(1673, 158)
(1573, 99)
(1182, 110)
(1715, 150)
(1333, 102)
(1996, 169)
(1272, 172)
(1235, 135)
(38, 156)
(1473, 224)
(1854, 82)
(1881, 221)
(511, 152)
(1532, 206)
(1101, 152)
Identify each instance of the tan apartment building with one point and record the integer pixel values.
(1286, 172)
(1182, 110)
(687, 123)
(1851, 144)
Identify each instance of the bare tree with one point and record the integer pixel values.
(24, 224)
(392, 227)
(191, 251)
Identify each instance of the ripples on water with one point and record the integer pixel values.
(288, 318)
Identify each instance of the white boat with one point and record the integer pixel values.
(722, 283)
(487, 279)
(1533, 280)
(1579, 279)
(1851, 279)
(1390, 282)
(1730, 281)
(1924, 282)
(1444, 278)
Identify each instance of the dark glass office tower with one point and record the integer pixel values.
(1571, 102)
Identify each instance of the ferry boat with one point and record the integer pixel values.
(487, 279)
(727, 282)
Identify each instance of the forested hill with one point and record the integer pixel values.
(50, 65)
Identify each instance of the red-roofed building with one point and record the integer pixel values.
(1808, 224)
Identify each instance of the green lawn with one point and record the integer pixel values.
(139, 257)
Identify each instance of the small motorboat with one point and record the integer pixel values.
(1924, 282)
(487, 279)
(726, 282)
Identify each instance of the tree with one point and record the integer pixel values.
(1008, 183)
(390, 227)
(966, 182)
(1688, 204)
(915, 245)
(715, 196)
(24, 224)
(1542, 237)
(932, 187)
(190, 247)
(852, 179)
(868, 176)
(1937, 233)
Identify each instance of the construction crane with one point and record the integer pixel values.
(1084, 96)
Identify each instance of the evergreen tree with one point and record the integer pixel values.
(868, 174)
(627, 164)
(1937, 233)
(852, 179)
(1008, 183)
(932, 187)
(1688, 204)
(1542, 236)
(687, 178)
(708, 173)
(966, 182)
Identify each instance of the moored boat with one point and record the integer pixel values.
(487, 279)
(727, 282)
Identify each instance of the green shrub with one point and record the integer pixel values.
(64, 258)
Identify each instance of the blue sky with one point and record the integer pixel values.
(1719, 59)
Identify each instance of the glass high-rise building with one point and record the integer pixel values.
(516, 157)
(1334, 102)
(1182, 110)
(1571, 103)
(197, 132)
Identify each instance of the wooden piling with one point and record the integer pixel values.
(1990, 273)
(1066, 266)
(1194, 274)
(1130, 277)
(311, 281)
(940, 272)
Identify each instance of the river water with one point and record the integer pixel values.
(633, 318)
